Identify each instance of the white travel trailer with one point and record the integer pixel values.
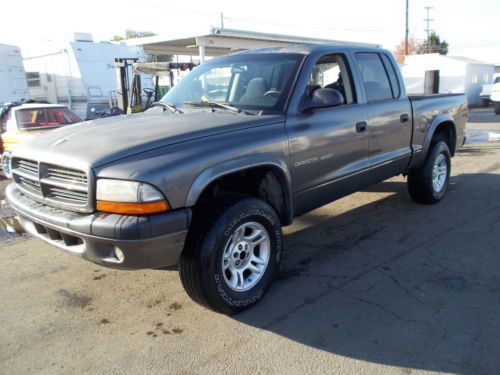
(13, 85)
(435, 73)
(79, 74)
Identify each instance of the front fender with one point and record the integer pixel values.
(212, 173)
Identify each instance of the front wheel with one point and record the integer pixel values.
(428, 184)
(231, 259)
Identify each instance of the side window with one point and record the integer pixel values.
(331, 72)
(392, 76)
(375, 78)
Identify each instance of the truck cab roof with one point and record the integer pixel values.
(307, 49)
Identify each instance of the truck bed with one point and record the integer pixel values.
(428, 109)
(415, 97)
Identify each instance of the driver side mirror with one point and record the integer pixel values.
(322, 98)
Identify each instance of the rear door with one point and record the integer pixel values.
(389, 115)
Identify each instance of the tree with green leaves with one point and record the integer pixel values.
(433, 45)
(132, 34)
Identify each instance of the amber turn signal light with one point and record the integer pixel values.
(133, 208)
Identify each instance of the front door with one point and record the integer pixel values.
(328, 146)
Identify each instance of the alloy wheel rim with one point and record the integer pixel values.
(246, 256)
(439, 173)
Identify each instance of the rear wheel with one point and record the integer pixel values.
(232, 256)
(428, 184)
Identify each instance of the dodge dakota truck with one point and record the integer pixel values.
(206, 179)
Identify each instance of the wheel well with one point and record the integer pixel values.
(447, 133)
(266, 183)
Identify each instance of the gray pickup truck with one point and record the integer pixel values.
(243, 144)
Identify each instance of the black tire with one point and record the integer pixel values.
(201, 264)
(497, 108)
(420, 182)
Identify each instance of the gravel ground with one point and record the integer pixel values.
(372, 283)
(10, 229)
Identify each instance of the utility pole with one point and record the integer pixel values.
(221, 20)
(428, 29)
(407, 30)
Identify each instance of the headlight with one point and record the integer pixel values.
(129, 197)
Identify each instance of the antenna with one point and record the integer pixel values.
(428, 29)
(221, 20)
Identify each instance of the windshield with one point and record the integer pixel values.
(45, 117)
(247, 81)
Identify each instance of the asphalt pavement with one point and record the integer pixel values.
(372, 283)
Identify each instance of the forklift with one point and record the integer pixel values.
(128, 97)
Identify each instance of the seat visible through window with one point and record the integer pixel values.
(255, 90)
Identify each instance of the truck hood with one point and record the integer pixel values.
(98, 142)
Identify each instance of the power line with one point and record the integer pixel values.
(224, 18)
(302, 25)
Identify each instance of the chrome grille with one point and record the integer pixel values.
(55, 184)
(31, 185)
(67, 174)
(67, 195)
(27, 175)
(28, 166)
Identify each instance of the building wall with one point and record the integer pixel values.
(455, 75)
(451, 73)
(476, 76)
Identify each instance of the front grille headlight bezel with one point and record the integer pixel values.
(129, 197)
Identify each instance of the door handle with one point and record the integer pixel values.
(404, 117)
(361, 127)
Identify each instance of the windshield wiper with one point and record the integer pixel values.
(172, 108)
(220, 105)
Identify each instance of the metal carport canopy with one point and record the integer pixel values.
(223, 41)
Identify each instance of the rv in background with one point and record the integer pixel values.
(79, 74)
(13, 85)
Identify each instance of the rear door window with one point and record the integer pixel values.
(40, 117)
(375, 79)
(393, 78)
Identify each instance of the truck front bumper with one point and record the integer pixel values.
(116, 241)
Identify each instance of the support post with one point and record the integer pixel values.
(407, 30)
(202, 54)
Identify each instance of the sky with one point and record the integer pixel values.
(470, 27)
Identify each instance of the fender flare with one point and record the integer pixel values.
(432, 129)
(212, 173)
